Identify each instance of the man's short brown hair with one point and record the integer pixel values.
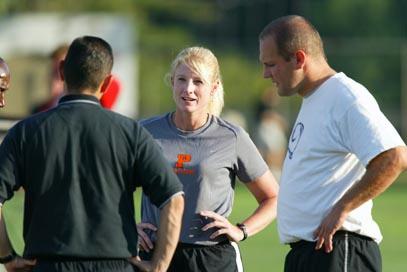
(292, 33)
(88, 61)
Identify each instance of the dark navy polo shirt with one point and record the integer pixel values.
(79, 165)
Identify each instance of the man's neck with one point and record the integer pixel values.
(315, 77)
(96, 94)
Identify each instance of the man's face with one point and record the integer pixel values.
(4, 81)
(281, 71)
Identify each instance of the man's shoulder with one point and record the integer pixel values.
(36, 118)
(117, 118)
(348, 88)
(344, 93)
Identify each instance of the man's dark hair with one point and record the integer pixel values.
(88, 61)
(292, 33)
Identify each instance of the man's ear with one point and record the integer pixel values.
(300, 57)
(61, 69)
(105, 84)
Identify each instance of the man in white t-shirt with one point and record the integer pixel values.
(342, 153)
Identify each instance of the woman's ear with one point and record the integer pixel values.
(215, 87)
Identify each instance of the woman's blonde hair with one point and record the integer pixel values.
(204, 63)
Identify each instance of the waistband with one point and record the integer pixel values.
(339, 235)
(77, 259)
(186, 245)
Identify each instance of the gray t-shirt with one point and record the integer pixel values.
(207, 161)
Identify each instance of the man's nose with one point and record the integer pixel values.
(267, 73)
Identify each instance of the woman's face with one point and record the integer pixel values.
(191, 92)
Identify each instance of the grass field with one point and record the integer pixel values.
(263, 252)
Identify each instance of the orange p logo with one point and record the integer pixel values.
(181, 159)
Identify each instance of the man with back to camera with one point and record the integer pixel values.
(342, 153)
(79, 165)
(4, 81)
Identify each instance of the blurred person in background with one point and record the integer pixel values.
(208, 154)
(108, 99)
(270, 132)
(56, 86)
(342, 153)
(79, 165)
(4, 81)
(235, 117)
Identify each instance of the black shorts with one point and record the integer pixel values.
(351, 253)
(72, 265)
(223, 257)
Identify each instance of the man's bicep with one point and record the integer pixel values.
(9, 169)
(153, 171)
(367, 133)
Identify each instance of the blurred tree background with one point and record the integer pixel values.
(364, 39)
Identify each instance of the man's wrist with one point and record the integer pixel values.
(243, 228)
(8, 258)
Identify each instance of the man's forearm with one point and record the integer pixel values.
(168, 233)
(381, 172)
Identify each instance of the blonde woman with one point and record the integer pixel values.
(208, 154)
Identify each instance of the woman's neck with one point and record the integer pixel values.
(189, 122)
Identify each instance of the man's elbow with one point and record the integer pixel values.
(401, 155)
(179, 203)
(176, 205)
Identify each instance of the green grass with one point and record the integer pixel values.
(390, 212)
(263, 252)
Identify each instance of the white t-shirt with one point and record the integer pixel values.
(339, 129)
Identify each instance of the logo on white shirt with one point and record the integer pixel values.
(295, 139)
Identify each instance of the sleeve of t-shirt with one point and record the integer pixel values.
(366, 132)
(153, 172)
(9, 169)
(250, 164)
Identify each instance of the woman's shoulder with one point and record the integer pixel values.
(227, 125)
(153, 121)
